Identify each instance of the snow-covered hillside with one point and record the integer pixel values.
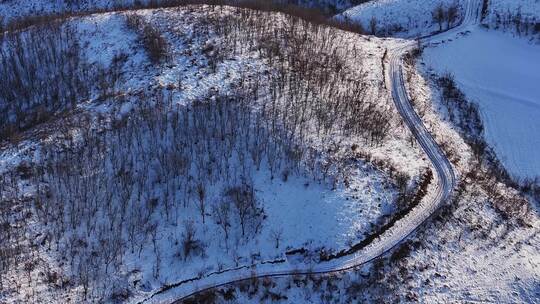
(482, 246)
(11, 9)
(17, 9)
(402, 18)
(500, 73)
(469, 253)
(214, 144)
(527, 8)
(415, 18)
(521, 17)
(144, 151)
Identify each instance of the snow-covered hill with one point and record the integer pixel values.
(147, 148)
(481, 247)
(203, 140)
(401, 18)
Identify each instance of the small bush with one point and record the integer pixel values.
(155, 45)
(207, 297)
(537, 28)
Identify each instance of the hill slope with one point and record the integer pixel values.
(194, 140)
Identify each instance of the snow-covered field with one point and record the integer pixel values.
(500, 73)
(470, 255)
(402, 18)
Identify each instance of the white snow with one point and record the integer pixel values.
(104, 36)
(500, 73)
(503, 269)
(321, 216)
(472, 257)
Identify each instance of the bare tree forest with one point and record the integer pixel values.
(42, 74)
(102, 193)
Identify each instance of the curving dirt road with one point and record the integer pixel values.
(444, 177)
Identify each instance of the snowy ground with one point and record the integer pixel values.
(401, 18)
(500, 73)
(321, 216)
(469, 255)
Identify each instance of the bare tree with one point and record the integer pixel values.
(246, 205)
(152, 40)
(451, 15)
(242, 203)
(438, 15)
(373, 25)
(201, 194)
(190, 245)
(276, 235)
(222, 216)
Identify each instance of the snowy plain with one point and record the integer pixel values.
(500, 73)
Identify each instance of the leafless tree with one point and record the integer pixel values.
(152, 40)
(373, 25)
(201, 194)
(189, 244)
(222, 216)
(438, 15)
(276, 236)
(452, 15)
(246, 206)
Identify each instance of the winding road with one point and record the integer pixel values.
(444, 177)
